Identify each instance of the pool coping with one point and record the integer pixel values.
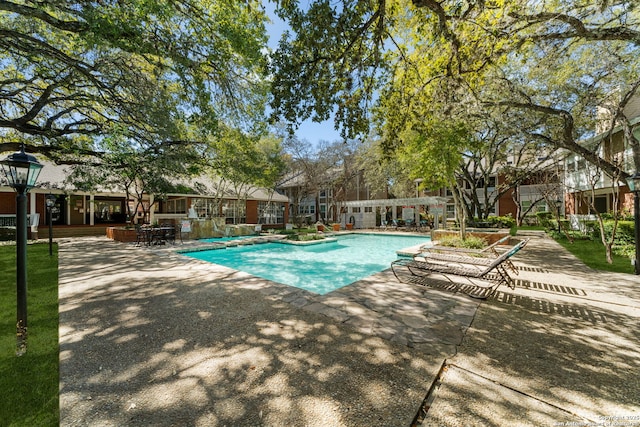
(408, 251)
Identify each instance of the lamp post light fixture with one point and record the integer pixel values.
(634, 186)
(50, 201)
(21, 170)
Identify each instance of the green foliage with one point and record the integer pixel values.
(628, 251)
(326, 64)
(30, 382)
(592, 253)
(624, 232)
(382, 173)
(165, 74)
(434, 152)
(304, 237)
(471, 242)
(425, 62)
(623, 245)
(544, 219)
(505, 221)
(493, 221)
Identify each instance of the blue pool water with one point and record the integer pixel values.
(319, 268)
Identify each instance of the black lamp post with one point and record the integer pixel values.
(50, 200)
(634, 186)
(558, 203)
(22, 171)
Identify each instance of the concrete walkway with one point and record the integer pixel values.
(151, 337)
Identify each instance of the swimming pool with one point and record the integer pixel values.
(319, 268)
(224, 239)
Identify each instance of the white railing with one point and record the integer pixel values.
(578, 221)
(7, 220)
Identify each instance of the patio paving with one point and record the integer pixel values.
(151, 337)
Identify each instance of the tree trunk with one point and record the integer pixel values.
(460, 212)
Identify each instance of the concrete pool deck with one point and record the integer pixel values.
(151, 337)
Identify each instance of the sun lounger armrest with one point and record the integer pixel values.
(496, 243)
(502, 258)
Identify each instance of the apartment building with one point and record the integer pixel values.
(74, 207)
(588, 188)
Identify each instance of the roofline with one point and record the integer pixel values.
(427, 200)
(597, 138)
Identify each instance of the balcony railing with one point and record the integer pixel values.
(7, 220)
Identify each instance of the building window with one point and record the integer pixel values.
(306, 212)
(540, 207)
(235, 212)
(203, 207)
(109, 211)
(600, 204)
(176, 206)
(306, 209)
(355, 209)
(451, 211)
(271, 213)
(368, 209)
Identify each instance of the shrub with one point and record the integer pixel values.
(606, 216)
(492, 222)
(304, 237)
(471, 242)
(627, 228)
(506, 221)
(590, 226)
(544, 219)
(628, 251)
(624, 232)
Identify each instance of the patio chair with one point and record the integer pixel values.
(469, 268)
(141, 236)
(448, 253)
(170, 234)
(486, 250)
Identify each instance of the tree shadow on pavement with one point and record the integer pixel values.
(579, 358)
(160, 341)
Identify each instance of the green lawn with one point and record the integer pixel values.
(592, 253)
(29, 383)
(531, 227)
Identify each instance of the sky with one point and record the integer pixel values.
(311, 131)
